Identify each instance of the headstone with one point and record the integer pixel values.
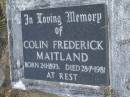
(75, 48)
(68, 44)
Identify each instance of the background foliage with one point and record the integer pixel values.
(3, 27)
